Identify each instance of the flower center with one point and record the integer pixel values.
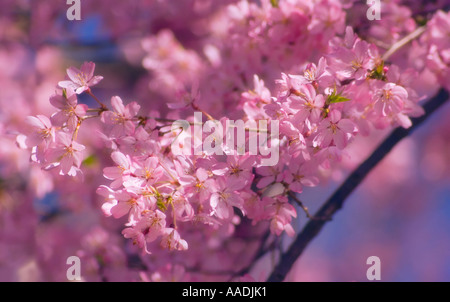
(333, 128)
(387, 95)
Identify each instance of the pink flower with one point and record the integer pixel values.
(42, 131)
(278, 225)
(139, 143)
(334, 129)
(299, 175)
(183, 209)
(259, 93)
(172, 241)
(138, 237)
(150, 172)
(225, 197)
(295, 137)
(125, 202)
(352, 63)
(390, 99)
(318, 75)
(121, 117)
(289, 84)
(69, 112)
(147, 229)
(81, 79)
(253, 100)
(269, 174)
(120, 172)
(309, 103)
(198, 187)
(281, 212)
(68, 153)
(237, 167)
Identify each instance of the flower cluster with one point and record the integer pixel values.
(53, 140)
(349, 92)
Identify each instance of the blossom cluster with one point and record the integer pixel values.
(349, 92)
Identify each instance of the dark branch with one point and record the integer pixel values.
(336, 201)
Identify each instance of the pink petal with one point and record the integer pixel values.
(120, 159)
(133, 109)
(72, 123)
(201, 174)
(73, 74)
(265, 181)
(220, 169)
(404, 120)
(78, 146)
(112, 173)
(34, 122)
(289, 230)
(129, 127)
(340, 139)
(235, 184)
(108, 117)
(214, 201)
(296, 187)
(288, 210)
(59, 118)
(335, 116)
(120, 209)
(80, 110)
(346, 125)
(66, 164)
(117, 104)
(69, 85)
(151, 163)
(310, 181)
(88, 69)
(58, 101)
(247, 163)
(95, 80)
(81, 89)
(107, 206)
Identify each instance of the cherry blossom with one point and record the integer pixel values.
(81, 79)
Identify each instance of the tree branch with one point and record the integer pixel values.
(336, 201)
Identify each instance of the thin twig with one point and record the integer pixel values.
(336, 201)
(195, 107)
(399, 44)
(305, 208)
(104, 108)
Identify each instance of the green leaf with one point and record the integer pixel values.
(378, 72)
(90, 161)
(336, 98)
(161, 205)
(274, 3)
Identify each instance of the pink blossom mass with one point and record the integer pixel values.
(193, 140)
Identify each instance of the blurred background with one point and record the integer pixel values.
(151, 52)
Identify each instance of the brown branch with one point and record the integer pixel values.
(336, 201)
(405, 40)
